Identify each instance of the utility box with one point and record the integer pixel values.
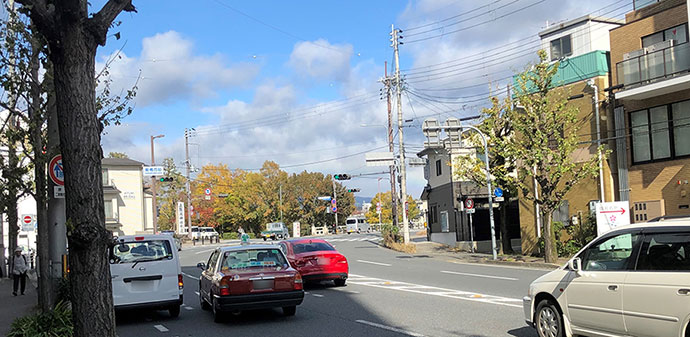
(647, 210)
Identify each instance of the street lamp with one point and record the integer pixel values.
(154, 215)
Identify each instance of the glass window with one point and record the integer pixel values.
(661, 146)
(351, 221)
(444, 222)
(311, 247)
(254, 258)
(104, 176)
(211, 266)
(612, 254)
(637, 4)
(283, 247)
(561, 47)
(678, 33)
(108, 206)
(640, 136)
(681, 128)
(140, 251)
(668, 251)
(652, 39)
(438, 167)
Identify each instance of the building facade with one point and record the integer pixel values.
(128, 205)
(651, 76)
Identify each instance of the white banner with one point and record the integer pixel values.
(611, 215)
(180, 218)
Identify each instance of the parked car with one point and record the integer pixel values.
(633, 281)
(146, 273)
(316, 260)
(208, 233)
(275, 231)
(249, 277)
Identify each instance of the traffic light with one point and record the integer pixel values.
(353, 190)
(166, 179)
(341, 176)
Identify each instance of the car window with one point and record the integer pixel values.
(283, 247)
(612, 254)
(351, 221)
(139, 251)
(253, 258)
(311, 247)
(665, 252)
(195, 229)
(212, 261)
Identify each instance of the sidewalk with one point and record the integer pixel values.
(12, 307)
(440, 250)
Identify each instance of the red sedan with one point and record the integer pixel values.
(316, 260)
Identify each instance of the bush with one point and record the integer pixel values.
(56, 323)
(578, 236)
(389, 234)
(231, 236)
(64, 294)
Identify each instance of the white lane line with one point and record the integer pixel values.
(190, 276)
(161, 328)
(204, 251)
(389, 328)
(479, 275)
(317, 295)
(197, 293)
(376, 263)
(188, 308)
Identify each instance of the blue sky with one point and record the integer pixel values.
(292, 81)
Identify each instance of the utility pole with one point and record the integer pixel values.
(280, 193)
(401, 146)
(394, 194)
(379, 206)
(336, 207)
(189, 191)
(595, 100)
(153, 188)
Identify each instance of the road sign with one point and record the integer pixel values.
(59, 192)
(469, 203)
(611, 215)
(498, 192)
(499, 199)
(326, 198)
(56, 171)
(378, 207)
(379, 158)
(333, 202)
(207, 191)
(407, 207)
(334, 209)
(470, 210)
(28, 222)
(150, 171)
(180, 215)
(207, 197)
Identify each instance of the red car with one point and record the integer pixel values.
(249, 277)
(316, 260)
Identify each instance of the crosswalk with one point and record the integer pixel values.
(370, 239)
(433, 291)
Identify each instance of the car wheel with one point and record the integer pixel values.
(290, 311)
(549, 320)
(264, 238)
(174, 311)
(218, 315)
(339, 282)
(203, 304)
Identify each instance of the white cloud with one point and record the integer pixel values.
(321, 60)
(170, 71)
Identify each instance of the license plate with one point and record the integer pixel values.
(262, 284)
(324, 261)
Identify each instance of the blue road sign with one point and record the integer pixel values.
(498, 192)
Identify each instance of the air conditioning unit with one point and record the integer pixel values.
(659, 46)
(633, 54)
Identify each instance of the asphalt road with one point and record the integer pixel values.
(388, 294)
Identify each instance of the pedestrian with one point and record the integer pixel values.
(240, 231)
(19, 268)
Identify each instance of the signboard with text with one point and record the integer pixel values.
(611, 215)
(180, 216)
(150, 171)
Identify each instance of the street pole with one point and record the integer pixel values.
(379, 207)
(280, 192)
(401, 146)
(189, 191)
(154, 216)
(394, 194)
(595, 99)
(471, 235)
(336, 207)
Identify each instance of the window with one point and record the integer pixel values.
(677, 33)
(104, 176)
(665, 252)
(612, 254)
(140, 251)
(433, 215)
(438, 167)
(254, 258)
(661, 132)
(561, 47)
(210, 267)
(311, 247)
(444, 221)
(108, 205)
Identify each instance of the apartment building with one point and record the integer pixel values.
(128, 204)
(651, 77)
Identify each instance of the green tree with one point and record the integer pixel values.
(545, 139)
(496, 124)
(169, 194)
(121, 155)
(386, 208)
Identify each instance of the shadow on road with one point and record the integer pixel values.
(525, 331)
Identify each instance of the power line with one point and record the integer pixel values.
(457, 16)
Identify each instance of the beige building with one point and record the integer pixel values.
(128, 204)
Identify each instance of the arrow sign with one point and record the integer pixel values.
(621, 211)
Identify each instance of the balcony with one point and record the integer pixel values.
(655, 71)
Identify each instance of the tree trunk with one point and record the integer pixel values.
(550, 255)
(505, 238)
(36, 122)
(73, 59)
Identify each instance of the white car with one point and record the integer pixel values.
(633, 281)
(145, 272)
(208, 232)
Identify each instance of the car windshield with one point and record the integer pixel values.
(138, 251)
(351, 221)
(311, 247)
(253, 258)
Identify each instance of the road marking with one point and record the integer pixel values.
(355, 240)
(197, 293)
(205, 251)
(479, 275)
(376, 263)
(190, 276)
(389, 328)
(433, 291)
(317, 295)
(188, 308)
(161, 328)
(545, 270)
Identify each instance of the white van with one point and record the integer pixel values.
(356, 224)
(145, 272)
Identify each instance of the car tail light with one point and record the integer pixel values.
(224, 286)
(138, 238)
(180, 281)
(298, 282)
(342, 259)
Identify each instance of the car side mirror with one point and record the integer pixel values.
(123, 248)
(201, 265)
(575, 264)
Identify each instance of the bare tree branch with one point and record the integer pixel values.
(101, 21)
